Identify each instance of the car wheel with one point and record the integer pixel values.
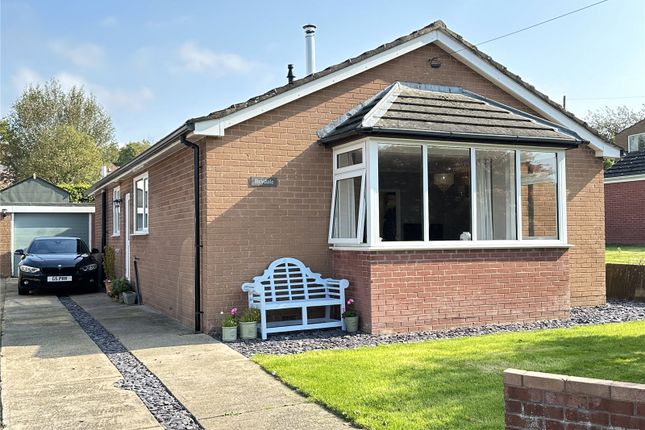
(22, 291)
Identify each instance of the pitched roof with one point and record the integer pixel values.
(630, 165)
(635, 125)
(436, 25)
(33, 191)
(443, 112)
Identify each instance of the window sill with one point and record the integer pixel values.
(139, 233)
(116, 235)
(454, 245)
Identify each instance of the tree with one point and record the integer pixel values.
(131, 150)
(77, 191)
(610, 121)
(62, 136)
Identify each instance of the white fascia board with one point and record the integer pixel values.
(49, 209)
(217, 127)
(619, 179)
(504, 81)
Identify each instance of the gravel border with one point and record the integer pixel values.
(166, 409)
(297, 342)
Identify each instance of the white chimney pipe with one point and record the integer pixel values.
(310, 52)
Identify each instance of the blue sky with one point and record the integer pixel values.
(153, 64)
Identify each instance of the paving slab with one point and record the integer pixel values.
(54, 376)
(219, 386)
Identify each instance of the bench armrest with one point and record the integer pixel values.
(340, 283)
(252, 287)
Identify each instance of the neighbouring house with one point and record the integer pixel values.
(35, 207)
(448, 191)
(625, 189)
(632, 138)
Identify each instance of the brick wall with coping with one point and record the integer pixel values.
(407, 291)
(5, 246)
(625, 212)
(535, 401)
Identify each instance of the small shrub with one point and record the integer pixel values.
(108, 262)
(120, 285)
(250, 315)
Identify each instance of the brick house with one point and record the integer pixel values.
(625, 189)
(448, 191)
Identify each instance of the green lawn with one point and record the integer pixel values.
(625, 254)
(455, 383)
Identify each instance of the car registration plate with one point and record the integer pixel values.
(59, 278)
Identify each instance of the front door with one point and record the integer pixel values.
(127, 236)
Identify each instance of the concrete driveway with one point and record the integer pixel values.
(54, 375)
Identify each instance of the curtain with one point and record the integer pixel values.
(346, 210)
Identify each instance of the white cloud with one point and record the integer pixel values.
(134, 101)
(197, 59)
(108, 21)
(83, 55)
(24, 77)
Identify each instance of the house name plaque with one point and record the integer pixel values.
(257, 181)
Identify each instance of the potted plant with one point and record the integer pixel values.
(229, 326)
(120, 289)
(249, 323)
(108, 268)
(351, 317)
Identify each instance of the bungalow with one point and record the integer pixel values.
(625, 189)
(448, 191)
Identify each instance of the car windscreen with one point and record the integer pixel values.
(58, 246)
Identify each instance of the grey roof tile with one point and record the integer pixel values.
(631, 164)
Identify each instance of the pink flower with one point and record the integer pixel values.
(350, 301)
(234, 311)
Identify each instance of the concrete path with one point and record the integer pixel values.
(220, 387)
(54, 376)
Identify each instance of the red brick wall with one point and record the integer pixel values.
(5, 246)
(586, 227)
(166, 254)
(625, 212)
(538, 401)
(433, 290)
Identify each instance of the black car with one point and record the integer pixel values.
(54, 262)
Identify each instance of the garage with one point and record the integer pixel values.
(33, 208)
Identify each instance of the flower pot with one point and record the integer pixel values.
(229, 334)
(129, 297)
(108, 287)
(351, 324)
(248, 330)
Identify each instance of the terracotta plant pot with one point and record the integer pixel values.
(229, 334)
(108, 287)
(351, 324)
(248, 330)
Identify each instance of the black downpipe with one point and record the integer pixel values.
(198, 234)
(103, 234)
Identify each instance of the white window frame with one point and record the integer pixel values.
(370, 215)
(340, 173)
(141, 230)
(116, 211)
(629, 141)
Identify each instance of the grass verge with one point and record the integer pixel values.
(625, 254)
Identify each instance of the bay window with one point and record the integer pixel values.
(395, 193)
(141, 204)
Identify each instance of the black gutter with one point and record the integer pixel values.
(198, 233)
(444, 136)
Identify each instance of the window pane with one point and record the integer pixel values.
(400, 179)
(145, 203)
(138, 204)
(350, 158)
(637, 142)
(539, 195)
(346, 209)
(449, 210)
(496, 214)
